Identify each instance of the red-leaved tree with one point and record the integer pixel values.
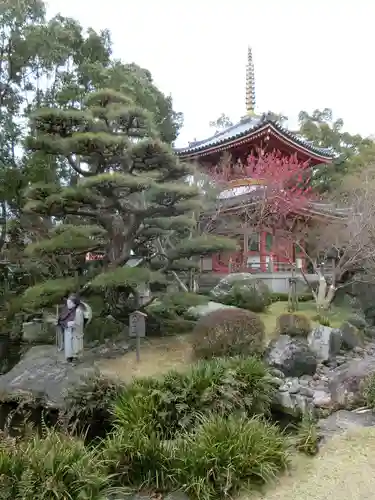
(275, 192)
(279, 185)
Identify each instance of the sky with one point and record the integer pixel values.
(307, 54)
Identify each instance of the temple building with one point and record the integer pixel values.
(259, 251)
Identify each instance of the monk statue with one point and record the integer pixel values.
(70, 326)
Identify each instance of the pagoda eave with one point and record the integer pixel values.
(312, 211)
(269, 137)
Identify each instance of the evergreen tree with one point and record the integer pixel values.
(130, 196)
(352, 151)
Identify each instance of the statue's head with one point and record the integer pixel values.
(72, 301)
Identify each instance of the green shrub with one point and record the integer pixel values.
(53, 466)
(293, 324)
(101, 328)
(322, 320)
(140, 459)
(228, 332)
(307, 439)
(254, 296)
(216, 460)
(170, 316)
(176, 402)
(88, 407)
(225, 454)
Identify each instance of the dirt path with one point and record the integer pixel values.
(343, 470)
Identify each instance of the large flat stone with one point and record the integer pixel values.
(344, 420)
(346, 381)
(44, 372)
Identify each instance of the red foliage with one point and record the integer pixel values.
(284, 182)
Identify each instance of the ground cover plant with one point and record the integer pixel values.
(52, 466)
(151, 427)
(167, 431)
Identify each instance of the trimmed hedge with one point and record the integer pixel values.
(228, 332)
(293, 324)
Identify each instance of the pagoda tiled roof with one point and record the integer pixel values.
(247, 127)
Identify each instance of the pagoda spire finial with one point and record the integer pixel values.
(250, 84)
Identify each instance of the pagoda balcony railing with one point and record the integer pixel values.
(275, 267)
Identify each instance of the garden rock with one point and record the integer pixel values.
(370, 332)
(44, 372)
(292, 356)
(344, 420)
(292, 404)
(350, 335)
(322, 398)
(358, 321)
(292, 399)
(346, 381)
(204, 309)
(325, 342)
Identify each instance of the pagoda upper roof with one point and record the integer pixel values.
(246, 129)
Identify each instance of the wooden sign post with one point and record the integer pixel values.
(137, 329)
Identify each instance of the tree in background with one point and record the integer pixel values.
(55, 63)
(275, 117)
(221, 123)
(353, 151)
(131, 195)
(52, 63)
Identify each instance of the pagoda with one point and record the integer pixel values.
(260, 251)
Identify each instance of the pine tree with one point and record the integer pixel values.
(130, 196)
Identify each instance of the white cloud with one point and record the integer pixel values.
(307, 55)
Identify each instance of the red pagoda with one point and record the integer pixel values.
(260, 250)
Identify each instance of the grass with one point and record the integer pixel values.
(343, 469)
(159, 355)
(336, 316)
